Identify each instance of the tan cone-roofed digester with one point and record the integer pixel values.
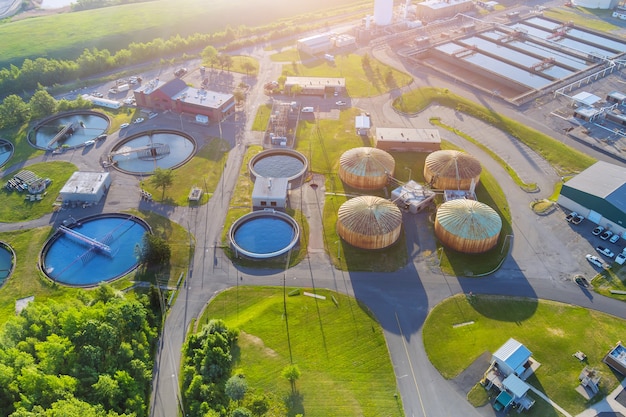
(366, 168)
(467, 226)
(451, 170)
(369, 222)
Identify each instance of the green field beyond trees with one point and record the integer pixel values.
(64, 36)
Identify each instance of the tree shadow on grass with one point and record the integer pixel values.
(503, 310)
(294, 403)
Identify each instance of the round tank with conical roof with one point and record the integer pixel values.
(451, 170)
(467, 226)
(366, 168)
(369, 222)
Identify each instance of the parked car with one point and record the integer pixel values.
(607, 234)
(597, 230)
(341, 103)
(614, 238)
(582, 281)
(124, 125)
(90, 142)
(578, 219)
(139, 120)
(102, 137)
(571, 216)
(308, 110)
(620, 258)
(152, 115)
(594, 260)
(180, 72)
(605, 251)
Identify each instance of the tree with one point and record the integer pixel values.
(239, 96)
(209, 54)
(13, 111)
(156, 251)
(291, 373)
(248, 67)
(162, 178)
(236, 387)
(42, 104)
(242, 412)
(365, 61)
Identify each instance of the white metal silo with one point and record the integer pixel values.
(383, 12)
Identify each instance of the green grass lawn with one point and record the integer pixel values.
(27, 280)
(339, 348)
(552, 331)
(360, 82)
(15, 208)
(565, 160)
(595, 19)
(204, 170)
(613, 279)
(262, 118)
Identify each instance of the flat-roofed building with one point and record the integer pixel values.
(315, 86)
(431, 10)
(412, 196)
(316, 44)
(270, 193)
(404, 139)
(178, 97)
(88, 187)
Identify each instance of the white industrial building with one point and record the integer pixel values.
(412, 196)
(316, 44)
(270, 193)
(362, 125)
(596, 4)
(86, 187)
(102, 102)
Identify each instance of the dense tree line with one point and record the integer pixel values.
(89, 357)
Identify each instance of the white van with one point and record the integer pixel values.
(308, 110)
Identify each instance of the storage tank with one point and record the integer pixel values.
(383, 12)
(369, 222)
(451, 170)
(366, 168)
(467, 226)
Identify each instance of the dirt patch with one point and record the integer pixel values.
(556, 332)
(256, 342)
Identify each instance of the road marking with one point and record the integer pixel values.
(417, 388)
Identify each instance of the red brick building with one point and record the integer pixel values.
(178, 97)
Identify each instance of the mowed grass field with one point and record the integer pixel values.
(551, 331)
(66, 35)
(340, 349)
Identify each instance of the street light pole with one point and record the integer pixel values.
(338, 249)
(410, 172)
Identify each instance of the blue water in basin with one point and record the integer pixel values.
(278, 166)
(72, 262)
(6, 258)
(5, 151)
(92, 126)
(264, 234)
(180, 148)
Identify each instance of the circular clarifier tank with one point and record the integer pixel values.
(6, 150)
(144, 152)
(279, 163)
(71, 129)
(264, 234)
(7, 261)
(94, 249)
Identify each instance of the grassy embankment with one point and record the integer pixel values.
(339, 348)
(551, 331)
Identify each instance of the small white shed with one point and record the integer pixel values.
(270, 193)
(362, 125)
(88, 187)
